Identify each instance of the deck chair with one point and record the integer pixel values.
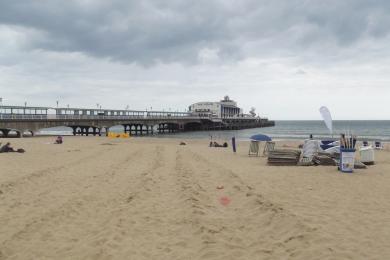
(269, 146)
(378, 145)
(254, 148)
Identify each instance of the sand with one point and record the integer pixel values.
(149, 198)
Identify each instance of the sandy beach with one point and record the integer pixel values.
(150, 198)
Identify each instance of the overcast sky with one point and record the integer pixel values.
(286, 58)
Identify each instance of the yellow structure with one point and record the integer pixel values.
(118, 135)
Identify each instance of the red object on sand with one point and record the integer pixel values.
(224, 200)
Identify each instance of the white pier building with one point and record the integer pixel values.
(225, 108)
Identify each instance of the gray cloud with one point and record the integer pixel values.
(279, 56)
(175, 31)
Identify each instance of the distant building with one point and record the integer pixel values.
(222, 109)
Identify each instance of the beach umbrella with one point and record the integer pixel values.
(261, 137)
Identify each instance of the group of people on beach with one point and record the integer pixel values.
(215, 144)
(7, 148)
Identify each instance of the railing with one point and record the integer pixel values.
(130, 117)
(122, 117)
(97, 117)
(23, 117)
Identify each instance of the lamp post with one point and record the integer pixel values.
(1, 107)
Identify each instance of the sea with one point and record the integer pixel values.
(369, 130)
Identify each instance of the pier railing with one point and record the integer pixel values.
(89, 117)
(48, 113)
(104, 117)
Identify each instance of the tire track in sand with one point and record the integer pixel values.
(249, 223)
(138, 226)
(36, 175)
(33, 189)
(82, 212)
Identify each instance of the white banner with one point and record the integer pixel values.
(327, 118)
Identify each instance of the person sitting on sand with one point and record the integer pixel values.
(217, 144)
(7, 148)
(59, 140)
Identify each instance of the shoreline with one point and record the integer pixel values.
(180, 138)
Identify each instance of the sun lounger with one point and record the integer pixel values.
(283, 157)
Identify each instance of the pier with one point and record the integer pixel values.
(18, 120)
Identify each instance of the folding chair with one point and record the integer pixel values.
(254, 148)
(378, 145)
(269, 146)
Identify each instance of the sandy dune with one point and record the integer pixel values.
(145, 198)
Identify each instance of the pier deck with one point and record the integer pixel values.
(97, 122)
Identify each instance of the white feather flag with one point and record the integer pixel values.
(327, 118)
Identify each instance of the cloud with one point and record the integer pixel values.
(279, 56)
(147, 31)
(207, 55)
